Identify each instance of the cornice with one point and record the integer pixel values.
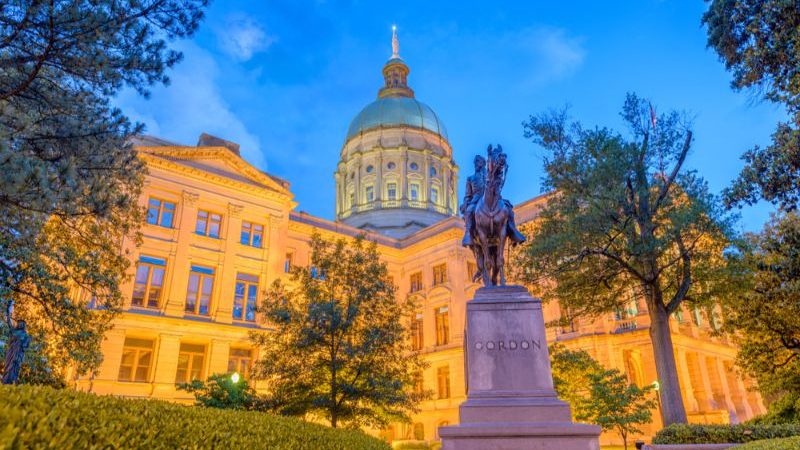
(159, 160)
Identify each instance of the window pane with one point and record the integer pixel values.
(156, 281)
(140, 284)
(205, 295)
(202, 222)
(245, 236)
(191, 293)
(252, 292)
(167, 214)
(213, 226)
(238, 300)
(258, 234)
(153, 207)
(197, 367)
(143, 365)
(232, 365)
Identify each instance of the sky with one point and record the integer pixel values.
(284, 78)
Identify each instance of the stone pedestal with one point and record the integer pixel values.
(511, 404)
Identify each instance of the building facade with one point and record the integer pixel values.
(218, 231)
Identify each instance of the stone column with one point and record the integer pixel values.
(738, 394)
(379, 178)
(686, 382)
(425, 195)
(403, 176)
(176, 296)
(275, 249)
(166, 365)
(703, 384)
(218, 353)
(726, 393)
(113, 342)
(357, 182)
(225, 272)
(339, 207)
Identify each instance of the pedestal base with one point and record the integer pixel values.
(511, 404)
(520, 436)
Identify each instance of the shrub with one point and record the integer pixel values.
(784, 410)
(41, 417)
(773, 444)
(721, 434)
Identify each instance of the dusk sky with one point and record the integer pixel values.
(284, 78)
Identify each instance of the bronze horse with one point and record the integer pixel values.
(492, 215)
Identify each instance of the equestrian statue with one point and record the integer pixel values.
(488, 218)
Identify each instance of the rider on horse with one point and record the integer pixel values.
(475, 186)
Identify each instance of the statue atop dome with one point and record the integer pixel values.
(395, 43)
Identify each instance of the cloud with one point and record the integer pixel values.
(192, 104)
(241, 37)
(560, 53)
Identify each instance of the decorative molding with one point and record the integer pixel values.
(190, 198)
(235, 210)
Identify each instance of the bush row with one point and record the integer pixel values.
(722, 434)
(35, 417)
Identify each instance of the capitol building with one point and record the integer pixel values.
(218, 231)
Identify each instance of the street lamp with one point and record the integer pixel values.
(235, 377)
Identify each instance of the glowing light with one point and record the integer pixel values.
(394, 27)
(235, 377)
(656, 385)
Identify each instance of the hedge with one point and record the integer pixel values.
(36, 417)
(773, 444)
(723, 434)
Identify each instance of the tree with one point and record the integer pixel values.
(765, 319)
(758, 40)
(572, 370)
(339, 347)
(70, 180)
(626, 219)
(615, 404)
(223, 392)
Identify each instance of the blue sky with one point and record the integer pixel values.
(284, 79)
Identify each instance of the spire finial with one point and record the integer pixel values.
(395, 43)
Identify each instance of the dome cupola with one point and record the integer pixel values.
(396, 174)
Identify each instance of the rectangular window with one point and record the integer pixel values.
(160, 212)
(369, 193)
(191, 358)
(417, 337)
(440, 274)
(443, 382)
(419, 383)
(391, 191)
(442, 325)
(208, 224)
(198, 295)
(434, 195)
(148, 282)
(240, 360)
(244, 297)
(288, 262)
(137, 357)
(252, 234)
(697, 316)
(352, 199)
(416, 282)
(414, 192)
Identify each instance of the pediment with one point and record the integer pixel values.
(214, 161)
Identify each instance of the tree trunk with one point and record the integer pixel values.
(672, 410)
